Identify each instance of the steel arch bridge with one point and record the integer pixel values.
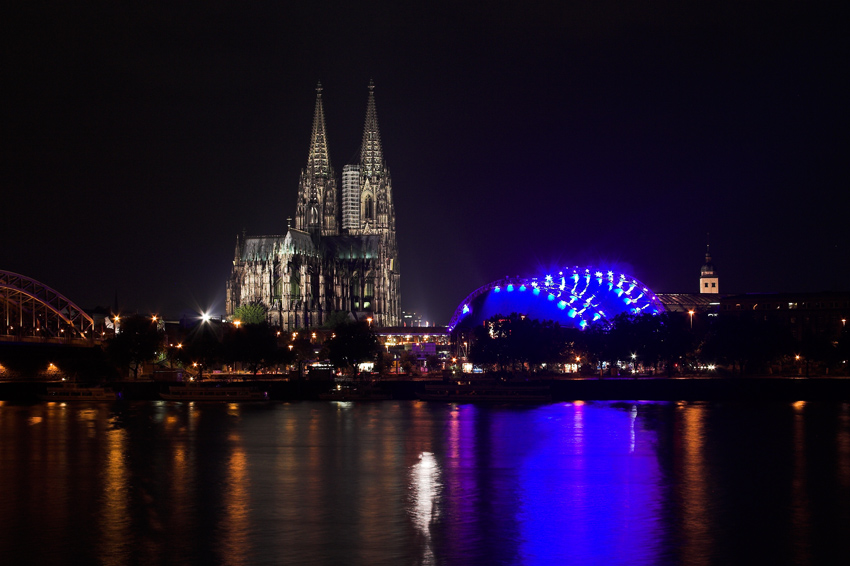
(31, 308)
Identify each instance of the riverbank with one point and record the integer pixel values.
(587, 389)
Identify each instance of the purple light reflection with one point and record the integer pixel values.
(590, 488)
(579, 484)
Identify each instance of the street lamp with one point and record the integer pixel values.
(691, 312)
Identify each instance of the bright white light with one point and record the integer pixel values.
(425, 488)
(205, 317)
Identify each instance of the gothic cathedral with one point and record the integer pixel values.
(341, 255)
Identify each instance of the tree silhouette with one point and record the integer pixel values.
(254, 345)
(136, 342)
(352, 343)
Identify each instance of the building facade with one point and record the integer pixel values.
(804, 314)
(708, 280)
(341, 256)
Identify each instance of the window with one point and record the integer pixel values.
(295, 285)
(355, 293)
(367, 208)
(714, 284)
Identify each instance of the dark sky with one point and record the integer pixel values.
(138, 140)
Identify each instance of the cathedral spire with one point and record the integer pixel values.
(371, 155)
(316, 209)
(318, 162)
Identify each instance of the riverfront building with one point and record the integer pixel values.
(341, 256)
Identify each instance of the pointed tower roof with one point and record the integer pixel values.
(319, 161)
(708, 267)
(371, 155)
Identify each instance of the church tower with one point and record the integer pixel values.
(377, 216)
(708, 282)
(317, 209)
(377, 212)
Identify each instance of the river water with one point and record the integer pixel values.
(406, 482)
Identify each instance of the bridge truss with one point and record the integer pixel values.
(31, 308)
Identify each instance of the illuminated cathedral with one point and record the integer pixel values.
(341, 256)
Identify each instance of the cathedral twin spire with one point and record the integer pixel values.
(318, 209)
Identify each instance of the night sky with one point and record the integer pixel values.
(138, 140)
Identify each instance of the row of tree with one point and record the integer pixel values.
(666, 342)
(658, 343)
(255, 346)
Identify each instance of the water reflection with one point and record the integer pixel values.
(799, 492)
(692, 488)
(407, 483)
(425, 485)
(843, 446)
(590, 488)
(235, 526)
(114, 516)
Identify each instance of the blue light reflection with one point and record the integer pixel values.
(580, 485)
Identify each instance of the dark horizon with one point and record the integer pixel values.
(139, 142)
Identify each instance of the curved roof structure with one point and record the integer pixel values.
(27, 302)
(576, 297)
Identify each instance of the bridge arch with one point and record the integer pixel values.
(31, 308)
(577, 297)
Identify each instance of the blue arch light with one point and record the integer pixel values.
(577, 297)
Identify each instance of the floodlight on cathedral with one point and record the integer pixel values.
(576, 297)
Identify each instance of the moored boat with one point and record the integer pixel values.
(471, 392)
(77, 392)
(205, 393)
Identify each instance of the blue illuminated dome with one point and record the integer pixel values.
(575, 297)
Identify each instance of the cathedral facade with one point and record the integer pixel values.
(341, 255)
